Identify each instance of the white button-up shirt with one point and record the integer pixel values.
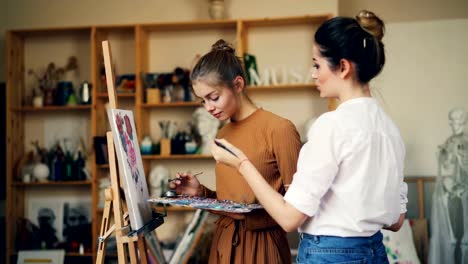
(349, 177)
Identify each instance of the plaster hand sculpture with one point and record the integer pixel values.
(157, 179)
(207, 126)
(449, 219)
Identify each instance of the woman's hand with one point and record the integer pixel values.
(186, 184)
(222, 155)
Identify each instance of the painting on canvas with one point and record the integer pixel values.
(130, 166)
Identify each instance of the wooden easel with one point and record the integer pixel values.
(127, 244)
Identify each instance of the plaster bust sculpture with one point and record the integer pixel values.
(207, 127)
(453, 154)
(157, 180)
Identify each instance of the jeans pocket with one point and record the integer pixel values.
(337, 255)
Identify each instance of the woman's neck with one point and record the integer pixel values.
(352, 91)
(246, 108)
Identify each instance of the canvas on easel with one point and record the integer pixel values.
(130, 166)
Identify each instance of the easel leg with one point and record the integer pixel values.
(101, 250)
(142, 250)
(133, 254)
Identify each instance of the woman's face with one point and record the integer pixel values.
(326, 79)
(221, 102)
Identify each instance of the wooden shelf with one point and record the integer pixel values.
(175, 157)
(303, 86)
(102, 166)
(172, 104)
(119, 95)
(76, 254)
(69, 254)
(52, 183)
(191, 25)
(52, 108)
(286, 21)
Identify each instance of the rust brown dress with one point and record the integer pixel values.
(272, 145)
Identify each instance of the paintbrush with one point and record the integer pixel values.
(177, 178)
(219, 144)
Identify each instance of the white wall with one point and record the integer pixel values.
(406, 11)
(426, 75)
(33, 13)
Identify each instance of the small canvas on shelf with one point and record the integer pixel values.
(41, 256)
(130, 166)
(47, 215)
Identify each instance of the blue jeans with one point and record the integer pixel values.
(331, 249)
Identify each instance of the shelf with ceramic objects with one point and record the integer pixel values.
(43, 104)
(53, 183)
(53, 108)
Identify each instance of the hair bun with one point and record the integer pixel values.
(371, 23)
(222, 45)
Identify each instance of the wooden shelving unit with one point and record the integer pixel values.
(138, 48)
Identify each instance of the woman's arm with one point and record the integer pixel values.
(288, 217)
(396, 226)
(286, 144)
(188, 184)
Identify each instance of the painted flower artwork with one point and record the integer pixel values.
(130, 166)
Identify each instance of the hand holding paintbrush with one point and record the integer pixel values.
(186, 184)
(180, 179)
(226, 153)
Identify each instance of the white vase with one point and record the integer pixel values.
(216, 9)
(38, 101)
(41, 172)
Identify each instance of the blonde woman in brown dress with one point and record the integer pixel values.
(272, 143)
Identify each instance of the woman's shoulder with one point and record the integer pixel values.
(274, 119)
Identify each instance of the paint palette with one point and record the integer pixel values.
(206, 204)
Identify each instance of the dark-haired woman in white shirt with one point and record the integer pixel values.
(349, 180)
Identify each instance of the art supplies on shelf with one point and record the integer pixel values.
(206, 204)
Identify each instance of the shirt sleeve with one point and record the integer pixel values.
(286, 146)
(403, 197)
(317, 167)
(403, 185)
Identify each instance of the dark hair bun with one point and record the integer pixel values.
(371, 23)
(222, 45)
